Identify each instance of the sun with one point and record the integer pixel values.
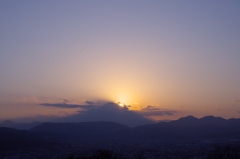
(121, 104)
(123, 99)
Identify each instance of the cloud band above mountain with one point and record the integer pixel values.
(64, 105)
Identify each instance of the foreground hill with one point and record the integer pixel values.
(19, 139)
(82, 129)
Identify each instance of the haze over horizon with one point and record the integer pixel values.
(162, 59)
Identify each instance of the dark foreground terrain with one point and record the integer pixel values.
(189, 137)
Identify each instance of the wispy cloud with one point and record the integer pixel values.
(66, 100)
(65, 105)
(153, 111)
(149, 107)
(157, 113)
(90, 102)
(237, 101)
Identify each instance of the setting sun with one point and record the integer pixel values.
(121, 104)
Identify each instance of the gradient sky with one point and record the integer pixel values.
(181, 56)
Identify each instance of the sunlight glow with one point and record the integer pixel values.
(121, 104)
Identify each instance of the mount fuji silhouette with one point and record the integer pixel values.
(110, 112)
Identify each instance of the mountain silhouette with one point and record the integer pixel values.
(19, 126)
(67, 137)
(7, 123)
(82, 129)
(185, 121)
(12, 139)
(191, 121)
(185, 127)
(110, 112)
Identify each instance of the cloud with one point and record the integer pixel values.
(156, 113)
(149, 107)
(153, 111)
(90, 102)
(237, 101)
(66, 100)
(64, 105)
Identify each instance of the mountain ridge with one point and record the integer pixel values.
(19, 126)
(81, 129)
(181, 129)
(110, 112)
(184, 127)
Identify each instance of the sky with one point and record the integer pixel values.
(164, 56)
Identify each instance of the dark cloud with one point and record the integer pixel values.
(65, 100)
(149, 107)
(156, 113)
(237, 101)
(153, 111)
(64, 105)
(90, 102)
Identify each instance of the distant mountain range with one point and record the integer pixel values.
(189, 127)
(113, 120)
(192, 127)
(185, 127)
(205, 121)
(19, 126)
